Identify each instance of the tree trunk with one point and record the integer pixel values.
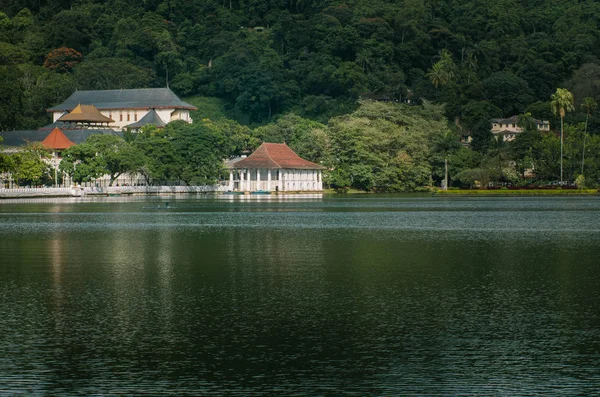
(446, 174)
(584, 136)
(561, 150)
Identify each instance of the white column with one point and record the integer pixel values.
(320, 180)
(257, 179)
(242, 179)
(269, 180)
(231, 180)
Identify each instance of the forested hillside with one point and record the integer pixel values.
(482, 58)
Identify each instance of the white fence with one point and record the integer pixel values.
(38, 192)
(151, 189)
(77, 191)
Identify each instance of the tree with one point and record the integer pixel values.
(508, 92)
(306, 137)
(28, 165)
(445, 144)
(199, 150)
(100, 155)
(443, 71)
(384, 146)
(526, 122)
(62, 59)
(110, 74)
(562, 102)
(159, 163)
(589, 105)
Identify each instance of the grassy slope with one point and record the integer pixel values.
(209, 108)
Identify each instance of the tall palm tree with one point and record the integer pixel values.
(589, 105)
(562, 102)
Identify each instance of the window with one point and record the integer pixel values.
(135, 116)
(121, 117)
(128, 117)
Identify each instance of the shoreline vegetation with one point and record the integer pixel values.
(387, 96)
(6, 194)
(517, 193)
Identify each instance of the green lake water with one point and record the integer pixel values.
(300, 296)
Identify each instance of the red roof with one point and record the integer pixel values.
(57, 140)
(276, 155)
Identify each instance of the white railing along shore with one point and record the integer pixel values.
(78, 191)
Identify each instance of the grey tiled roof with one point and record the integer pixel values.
(151, 118)
(77, 136)
(515, 120)
(143, 98)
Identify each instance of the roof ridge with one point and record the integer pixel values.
(269, 155)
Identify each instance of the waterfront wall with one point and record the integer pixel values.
(77, 191)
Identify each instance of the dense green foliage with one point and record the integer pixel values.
(27, 167)
(482, 58)
(302, 72)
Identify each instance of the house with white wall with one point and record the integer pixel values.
(509, 128)
(128, 107)
(274, 167)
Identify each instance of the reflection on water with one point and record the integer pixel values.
(303, 296)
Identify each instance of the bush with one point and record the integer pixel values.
(580, 182)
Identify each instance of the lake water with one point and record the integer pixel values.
(300, 296)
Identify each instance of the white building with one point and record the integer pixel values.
(509, 128)
(274, 167)
(127, 107)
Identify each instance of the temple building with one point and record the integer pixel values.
(57, 142)
(127, 107)
(274, 167)
(151, 118)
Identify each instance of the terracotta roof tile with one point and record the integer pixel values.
(276, 155)
(57, 140)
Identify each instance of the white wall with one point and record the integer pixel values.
(166, 115)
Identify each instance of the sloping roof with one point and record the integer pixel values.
(510, 120)
(21, 138)
(86, 113)
(515, 120)
(231, 162)
(276, 155)
(77, 136)
(151, 118)
(57, 140)
(143, 98)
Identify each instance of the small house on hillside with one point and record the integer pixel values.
(274, 167)
(509, 128)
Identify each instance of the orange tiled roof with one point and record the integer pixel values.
(276, 155)
(56, 139)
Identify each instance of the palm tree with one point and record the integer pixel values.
(526, 122)
(443, 71)
(438, 75)
(589, 105)
(562, 102)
